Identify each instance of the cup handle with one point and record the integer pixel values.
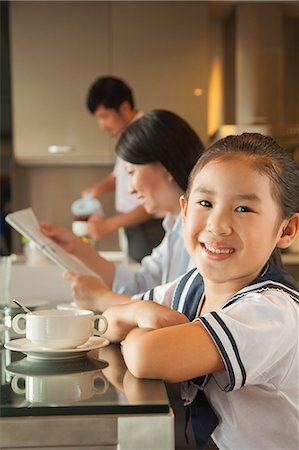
(103, 388)
(15, 386)
(100, 317)
(15, 324)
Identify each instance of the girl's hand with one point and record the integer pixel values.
(139, 314)
(152, 315)
(62, 236)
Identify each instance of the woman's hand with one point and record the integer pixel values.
(84, 252)
(86, 290)
(92, 293)
(62, 236)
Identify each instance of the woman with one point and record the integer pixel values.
(160, 149)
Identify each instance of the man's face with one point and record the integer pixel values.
(110, 120)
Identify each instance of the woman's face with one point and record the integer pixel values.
(154, 187)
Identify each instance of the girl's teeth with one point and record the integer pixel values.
(218, 250)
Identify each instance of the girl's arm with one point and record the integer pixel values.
(173, 354)
(144, 314)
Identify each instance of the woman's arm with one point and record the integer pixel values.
(174, 354)
(85, 253)
(135, 279)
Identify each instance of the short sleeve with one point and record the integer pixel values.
(160, 294)
(253, 336)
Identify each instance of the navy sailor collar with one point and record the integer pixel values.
(190, 288)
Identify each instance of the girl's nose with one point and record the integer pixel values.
(219, 224)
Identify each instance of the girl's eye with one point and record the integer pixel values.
(243, 209)
(205, 203)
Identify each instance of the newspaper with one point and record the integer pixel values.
(26, 223)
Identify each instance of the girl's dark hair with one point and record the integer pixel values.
(268, 158)
(162, 136)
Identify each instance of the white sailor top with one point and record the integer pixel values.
(256, 332)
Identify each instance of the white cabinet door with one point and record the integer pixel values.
(57, 50)
(161, 48)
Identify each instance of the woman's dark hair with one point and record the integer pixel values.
(109, 92)
(164, 137)
(266, 156)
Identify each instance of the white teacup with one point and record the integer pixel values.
(60, 389)
(55, 329)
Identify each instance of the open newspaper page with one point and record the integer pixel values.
(26, 223)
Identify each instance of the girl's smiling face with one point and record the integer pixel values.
(232, 222)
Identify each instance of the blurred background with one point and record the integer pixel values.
(225, 67)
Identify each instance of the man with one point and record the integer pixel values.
(111, 102)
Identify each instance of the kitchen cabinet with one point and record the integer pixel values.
(59, 48)
(161, 48)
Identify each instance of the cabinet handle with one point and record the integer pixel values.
(60, 149)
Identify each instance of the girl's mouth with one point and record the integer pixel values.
(217, 250)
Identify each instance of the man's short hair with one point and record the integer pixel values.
(109, 92)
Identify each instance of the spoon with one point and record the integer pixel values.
(22, 306)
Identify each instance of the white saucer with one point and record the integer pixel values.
(33, 351)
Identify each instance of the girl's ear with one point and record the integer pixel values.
(183, 204)
(289, 231)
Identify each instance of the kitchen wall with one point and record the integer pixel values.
(57, 50)
(51, 190)
(165, 50)
(254, 66)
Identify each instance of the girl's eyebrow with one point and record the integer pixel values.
(203, 190)
(249, 197)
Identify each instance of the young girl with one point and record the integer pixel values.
(240, 352)
(160, 150)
